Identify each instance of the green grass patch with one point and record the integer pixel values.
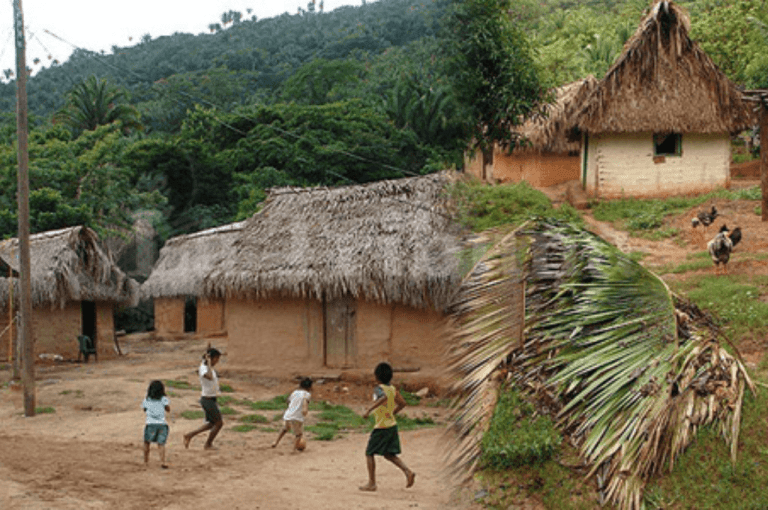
(192, 415)
(226, 388)
(276, 404)
(407, 423)
(323, 431)
(179, 384)
(77, 393)
(481, 207)
(516, 437)
(732, 299)
(693, 262)
(410, 398)
(254, 418)
(44, 410)
(226, 410)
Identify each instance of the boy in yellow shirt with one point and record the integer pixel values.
(384, 439)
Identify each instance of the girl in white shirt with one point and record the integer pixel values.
(209, 382)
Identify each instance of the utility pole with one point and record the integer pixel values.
(26, 337)
(764, 154)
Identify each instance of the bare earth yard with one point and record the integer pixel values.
(87, 454)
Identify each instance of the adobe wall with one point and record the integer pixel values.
(288, 335)
(56, 330)
(539, 170)
(210, 316)
(169, 316)
(623, 165)
(277, 334)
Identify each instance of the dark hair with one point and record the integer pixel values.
(306, 383)
(212, 352)
(383, 373)
(156, 390)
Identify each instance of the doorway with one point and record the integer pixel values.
(190, 315)
(339, 332)
(88, 320)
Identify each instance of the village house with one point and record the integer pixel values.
(75, 288)
(659, 122)
(175, 283)
(545, 155)
(341, 277)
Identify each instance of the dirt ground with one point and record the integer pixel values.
(87, 454)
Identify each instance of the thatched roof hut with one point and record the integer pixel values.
(664, 82)
(68, 265)
(547, 128)
(185, 261)
(387, 242)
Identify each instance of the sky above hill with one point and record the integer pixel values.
(54, 28)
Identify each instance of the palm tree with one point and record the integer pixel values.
(94, 103)
(629, 369)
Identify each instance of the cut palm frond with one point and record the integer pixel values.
(629, 370)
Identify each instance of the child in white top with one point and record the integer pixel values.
(156, 429)
(298, 408)
(209, 383)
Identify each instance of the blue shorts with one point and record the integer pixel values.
(155, 433)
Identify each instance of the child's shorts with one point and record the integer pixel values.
(155, 433)
(294, 426)
(211, 408)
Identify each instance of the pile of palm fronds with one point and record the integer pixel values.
(629, 370)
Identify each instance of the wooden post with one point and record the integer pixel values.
(26, 337)
(12, 344)
(764, 154)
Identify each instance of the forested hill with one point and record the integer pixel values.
(265, 51)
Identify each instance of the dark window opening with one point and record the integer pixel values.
(667, 144)
(88, 320)
(190, 315)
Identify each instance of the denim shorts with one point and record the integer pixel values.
(155, 433)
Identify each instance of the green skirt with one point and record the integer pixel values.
(384, 442)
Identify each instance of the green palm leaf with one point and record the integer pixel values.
(628, 368)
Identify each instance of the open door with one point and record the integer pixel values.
(190, 315)
(88, 321)
(339, 332)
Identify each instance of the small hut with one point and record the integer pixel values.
(341, 277)
(545, 156)
(659, 122)
(75, 286)
(175, 284)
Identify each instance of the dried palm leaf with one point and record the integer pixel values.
(625, 366)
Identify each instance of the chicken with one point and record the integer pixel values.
(721, 246)
(705, 218)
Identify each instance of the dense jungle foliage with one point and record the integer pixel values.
(198, 127)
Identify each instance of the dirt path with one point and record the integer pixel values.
(87, 455)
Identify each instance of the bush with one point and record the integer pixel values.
(516, 436)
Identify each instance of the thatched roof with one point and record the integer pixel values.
(664, 82)
(68, 265)
(546, 130)
(185, 260)
(389, 241)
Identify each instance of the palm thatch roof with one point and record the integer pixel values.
(186, 260)
(68, 265)
(628, 370)
(547, 128)
(664, 82)
(390, 241)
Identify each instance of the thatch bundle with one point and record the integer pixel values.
(389, 242)
(68, 265)
(627, 369)
(186, 260)
(664, 82)
(547, 128)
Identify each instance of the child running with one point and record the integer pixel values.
(298, 407)
(384, 439)
(209, 383)
(156, 429)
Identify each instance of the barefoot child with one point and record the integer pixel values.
(298, 407)
(384, 439)
(209, 383)
(156, 429)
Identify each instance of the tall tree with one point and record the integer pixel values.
(93, 103)
(493, 69)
